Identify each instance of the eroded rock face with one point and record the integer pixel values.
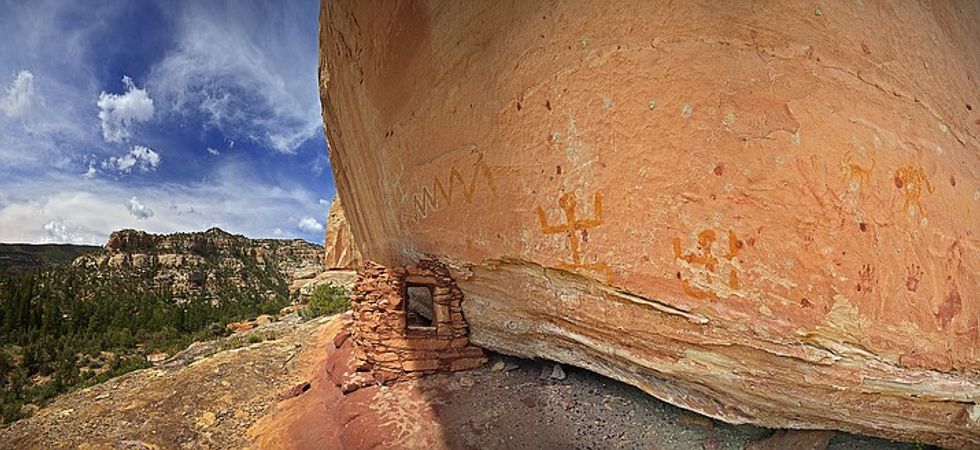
(340, 251)
(763, 213)
(205, 264)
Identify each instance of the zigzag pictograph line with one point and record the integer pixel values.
(426, 200)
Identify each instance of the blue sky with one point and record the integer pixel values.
(164, 116)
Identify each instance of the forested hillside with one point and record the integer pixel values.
(21, 258)
(81, 323)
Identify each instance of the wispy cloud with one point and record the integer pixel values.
(36, 132)
(47, 85)
(20, 95)
(90, 209)
(234, 65)
(235, 79)
(320, 163)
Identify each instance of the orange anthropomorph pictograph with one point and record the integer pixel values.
(572, 226)
(910, 179)
(704, 258)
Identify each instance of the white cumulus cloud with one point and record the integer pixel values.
(213, 151)
(143, 158)
(57, 232)
(139, 210)
(119, 112)
(20, 95)
(310, 225)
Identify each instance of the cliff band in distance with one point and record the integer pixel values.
(214, 264)
(340, 249)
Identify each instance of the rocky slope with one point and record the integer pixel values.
(204, 397)
(205, 264)
(763, 212)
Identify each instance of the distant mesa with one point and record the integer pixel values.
(202, 264)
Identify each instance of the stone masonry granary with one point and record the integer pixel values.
(408, 322)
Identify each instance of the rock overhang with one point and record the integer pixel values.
(749, 222)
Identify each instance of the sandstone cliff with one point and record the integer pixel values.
(763, 212)
(210, 264)
(340, 250)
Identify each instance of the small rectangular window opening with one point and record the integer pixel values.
(418, 307)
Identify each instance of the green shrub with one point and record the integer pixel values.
(327, 299)
(10, 411)
(119, 366)
(255, 338)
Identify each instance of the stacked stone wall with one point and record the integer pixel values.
(387, 345)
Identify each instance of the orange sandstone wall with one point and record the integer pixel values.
(765, 211)
(340, 250)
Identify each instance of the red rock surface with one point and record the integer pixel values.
(763, 212)
(519, 407)
(204, 397)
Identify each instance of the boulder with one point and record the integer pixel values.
(240, 327)
(263, 320)
(766, 214)
(287, 310)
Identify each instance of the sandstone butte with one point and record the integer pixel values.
(765, 212)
